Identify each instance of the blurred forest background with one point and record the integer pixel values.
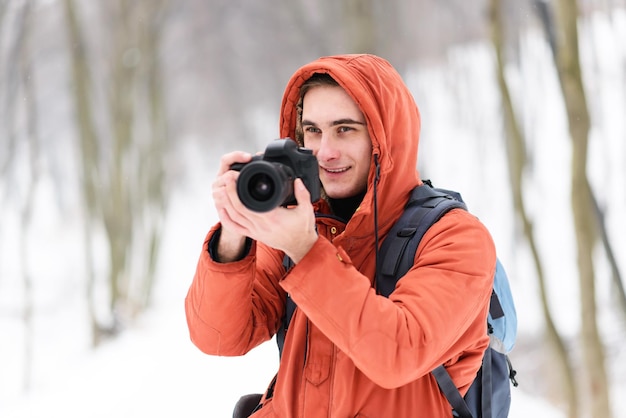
(103, 101)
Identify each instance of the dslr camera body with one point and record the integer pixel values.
(266, 182)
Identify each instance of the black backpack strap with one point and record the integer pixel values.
(290, 307)
(487, 379)
(495, 307)
(425, 207)
(447, 386)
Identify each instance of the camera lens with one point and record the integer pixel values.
(263, 185)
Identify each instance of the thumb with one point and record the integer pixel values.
(302, 195)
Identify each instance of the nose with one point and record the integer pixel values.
(328, 148)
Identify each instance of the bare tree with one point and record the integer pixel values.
(360, 26)
(10, 95)
(545, 16)
(610, 254)
(122, 162)
(118, 166)
(152, 193)
(88, 144)
(517, 163)
(21, 123)
(32, 139)
(585, 225)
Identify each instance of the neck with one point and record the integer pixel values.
(345, 207)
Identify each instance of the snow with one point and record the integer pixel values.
(153, 369)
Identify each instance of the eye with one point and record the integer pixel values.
(343, 129)
(311, 129)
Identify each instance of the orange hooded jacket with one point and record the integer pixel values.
(350, 352)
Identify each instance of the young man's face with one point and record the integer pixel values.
(334, 128)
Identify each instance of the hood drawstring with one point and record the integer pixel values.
(376, 179)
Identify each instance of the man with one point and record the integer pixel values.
(348, 351)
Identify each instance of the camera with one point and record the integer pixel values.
(267, 180)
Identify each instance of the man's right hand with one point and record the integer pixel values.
(291, 230)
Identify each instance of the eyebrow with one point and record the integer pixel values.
(344, 121)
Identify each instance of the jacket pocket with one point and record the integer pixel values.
(319, 357)
(318, 370)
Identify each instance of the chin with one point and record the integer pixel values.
(338, 194)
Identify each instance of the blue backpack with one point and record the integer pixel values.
(489, 396)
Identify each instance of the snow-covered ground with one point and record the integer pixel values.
(154, 370)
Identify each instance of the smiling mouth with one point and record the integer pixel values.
(336, 170)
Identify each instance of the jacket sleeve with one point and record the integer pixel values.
(436, 314)
(233, 307)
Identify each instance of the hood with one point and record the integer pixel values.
(393, 122)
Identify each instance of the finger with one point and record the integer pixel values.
(237, 211)
(226, 215)
(232, 213)
(227, 160)
(301, 193)
(223, 184)
(226, 200)
(219, 188)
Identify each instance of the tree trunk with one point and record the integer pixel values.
(610, 254)
(517, 162)
(546, 19)
(120, 172)
(26, 81)
(153, 171)
(568, 65)
(90, 156)
(360, 26)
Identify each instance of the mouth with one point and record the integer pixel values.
(335, 170)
